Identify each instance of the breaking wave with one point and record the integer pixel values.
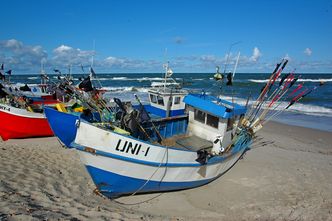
(300, 80)
(33, 78)
(125, 89)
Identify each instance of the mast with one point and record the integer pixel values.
(166, 72)
(236, 63)
(94, 48)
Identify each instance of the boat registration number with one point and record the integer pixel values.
(4, 108)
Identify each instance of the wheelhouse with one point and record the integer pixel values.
(211, 117)
(166, 102)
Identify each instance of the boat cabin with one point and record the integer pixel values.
(211, 117)
(166, 102)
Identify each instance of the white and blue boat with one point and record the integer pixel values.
(184, 141)
(208, 144)
(177, 141)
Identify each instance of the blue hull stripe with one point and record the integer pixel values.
(112, 185)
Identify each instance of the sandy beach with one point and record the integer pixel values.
(287, 175)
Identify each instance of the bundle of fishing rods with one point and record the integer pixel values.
(278, 94)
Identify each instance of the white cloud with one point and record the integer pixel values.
(62, 49)
(26, 59)
(19, 56)
(127, 64)
(65, 55)
(307, 51)
(255, 55)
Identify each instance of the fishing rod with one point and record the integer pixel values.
(261, 95)
(284, 82)
(283, 89)
(267, 88)
(296, 99)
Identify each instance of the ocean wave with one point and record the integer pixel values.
(33, 78)
(301, 108)
(315, 80)
(119, 78)
(131, 79)
(299, 80)
(101, 79)
(125, 89)
(309, 109)
(150, 79)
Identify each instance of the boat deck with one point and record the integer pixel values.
(192, 143)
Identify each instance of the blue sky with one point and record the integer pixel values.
(141, 35)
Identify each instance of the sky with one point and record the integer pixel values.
(139, 36)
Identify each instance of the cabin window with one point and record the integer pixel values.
(160, 100)
(177, 100)
(230, 123)
(212, 121)
(199, 116)
(153, 98)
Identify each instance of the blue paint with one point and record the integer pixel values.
(207, 103)
(162, 113)
(172, 127)
(62, 125)
(114, 185)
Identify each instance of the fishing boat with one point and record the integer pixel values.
(120, 164)
(178, 141)
(184, 141)
(21, 110)
(21, 123)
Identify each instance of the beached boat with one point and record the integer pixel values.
(208, 147)
(186, 141)
(21, 123)
(175, 142)
(22, 116)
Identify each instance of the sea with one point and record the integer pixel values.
(313, 111)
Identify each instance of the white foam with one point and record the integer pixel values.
(33, 78)
(311, 110)
(119, 78)
(315, 80)
(125, 89)
(301, 108)
(299, 80)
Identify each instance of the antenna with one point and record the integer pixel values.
(229, 51)
(94, 49)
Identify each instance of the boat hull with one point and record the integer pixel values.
(112, 183)
(19, 123)
(119, 170)
(62, 124)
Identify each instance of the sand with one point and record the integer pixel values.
(286, 176)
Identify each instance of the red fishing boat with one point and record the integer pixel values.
(21, 123)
